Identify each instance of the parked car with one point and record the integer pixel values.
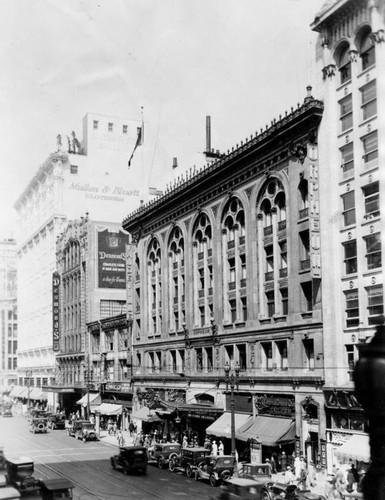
(56, 421)
(9, 493)
(260, 473)
(86, 432)
(241, 487)
(51, 489)
(130, 459)
(38, 425)
(162, 453)
(215, 469)
(187, 460)
(276, 491)
(74, 426)
(7, 411)
(20, 474)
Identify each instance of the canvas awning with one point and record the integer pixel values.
(222, 426)
(108, 409)
(356, 448)
(15, 391)
(95, 399)
(23, 393)
(269, 431)
(146, 414)
(37, 394)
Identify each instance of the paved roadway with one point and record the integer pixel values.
(87, 465)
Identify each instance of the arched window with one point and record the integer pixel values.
(344, 64)
(367, 50)
(303, 191)
(202, 271)
(176, 281)
(154, 287)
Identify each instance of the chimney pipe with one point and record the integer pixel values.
(174, 162)
(208, 134)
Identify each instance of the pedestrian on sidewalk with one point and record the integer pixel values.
(115, 428)
(120, 438)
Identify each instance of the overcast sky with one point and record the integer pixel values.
(243, 62)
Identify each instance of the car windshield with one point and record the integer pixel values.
(225, 462)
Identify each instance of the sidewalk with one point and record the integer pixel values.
(319, 488)
(112, 440)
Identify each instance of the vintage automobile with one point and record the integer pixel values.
(38, 425)
(187, 460)
(7, 411)
(241, 487)
(20, 474)
(9, 493)
(130, 459)
(215, 469)
(51, 489)
(56, 421)
(34, 413)
(162, 453)
(276, 491)
(74, 426)
(86, 432)
(260, 473)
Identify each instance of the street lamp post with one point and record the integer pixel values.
(28, 374)
(232, 381)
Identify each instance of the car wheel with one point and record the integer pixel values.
(265, 496)
(172, 465)
(188, 471)
(213, 480)
(160, 463)
(225, 475)
(113, 463)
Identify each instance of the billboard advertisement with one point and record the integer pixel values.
(112, 259)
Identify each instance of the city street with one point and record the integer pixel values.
(87, 465)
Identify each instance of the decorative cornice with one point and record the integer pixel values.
(329, 71)
(378, 36)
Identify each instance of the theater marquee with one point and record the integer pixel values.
(112, 259)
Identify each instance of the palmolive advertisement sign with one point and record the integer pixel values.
(112, 259)
(55, 312)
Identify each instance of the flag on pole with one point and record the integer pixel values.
(139, 141)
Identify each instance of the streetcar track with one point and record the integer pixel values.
(118, 482)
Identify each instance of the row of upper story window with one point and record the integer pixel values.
(236, 310)
(72, 288)
(344, 54)
(11, 364)
(370, 203)
(373, 254)
(72, 317)
(72, 343)
(267, 356)
(370, 312)
(368, 106)
(71, 255)
(369, 148)
(110, 126)
(33, 381)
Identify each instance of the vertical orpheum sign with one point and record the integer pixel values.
(55, 312)
(129, 280)
(112, 259)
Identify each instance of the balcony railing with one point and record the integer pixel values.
(269, 276)
(201, 293)
(242, 240)
(268, 230)
(232, 285)
(231, 244)
(243, 282)
(283, 272)
(281, 225)
(209, 252)
(200, 255)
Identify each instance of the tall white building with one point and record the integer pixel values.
(351, 83)
(8, 315)
(82, 177)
